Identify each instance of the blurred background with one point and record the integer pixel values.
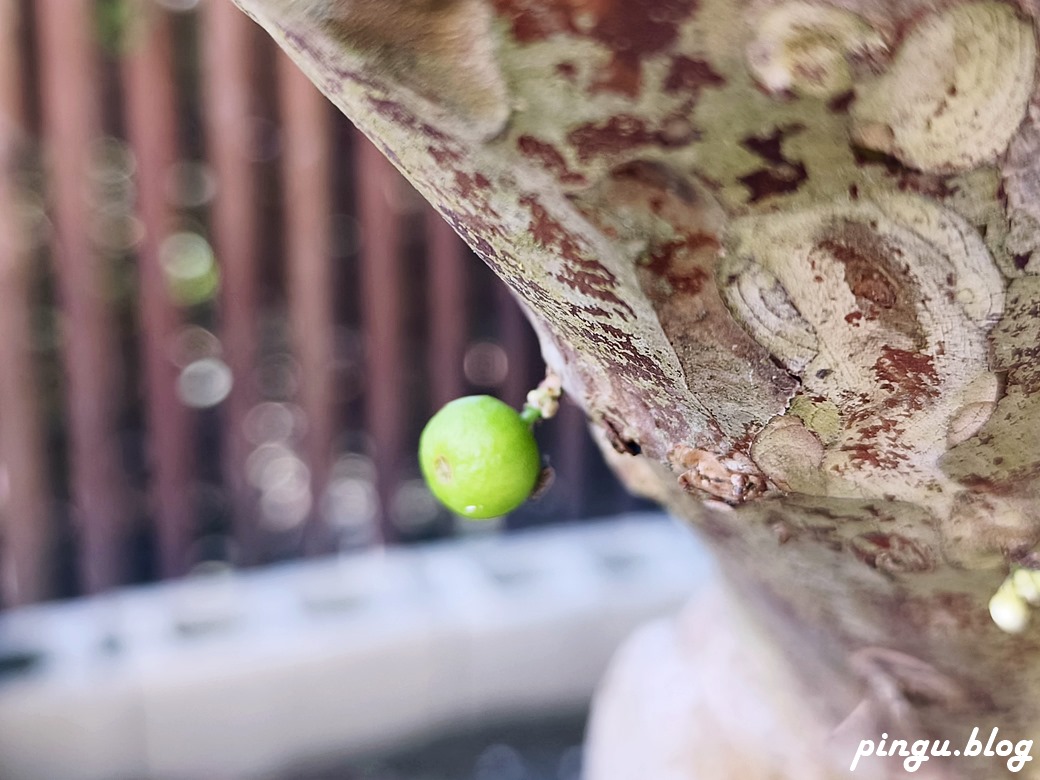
(224, 319)
(225, 316)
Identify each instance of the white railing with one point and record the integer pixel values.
(233, 675)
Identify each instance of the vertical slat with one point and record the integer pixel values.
(227, 64)
(514, 334)
(446, 280)
(24, 565)
(571, 440)
(306, 189)
(71, 123)
(152, 127)
(382, 321)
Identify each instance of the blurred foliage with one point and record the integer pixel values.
(114, 23)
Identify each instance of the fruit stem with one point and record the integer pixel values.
(530, 414)
(544, 400)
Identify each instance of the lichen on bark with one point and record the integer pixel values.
(782, 253)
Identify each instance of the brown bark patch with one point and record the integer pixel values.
(335, 73)
(891, 553)
(443, 156)
(869, 453)
(567, 70)
(403, 116)
(621, 76)
(873, 273)
(625, 132)
(839, 104)
(766, 182)
(581, 271)
(664, 262)
(690, 75)
(769, 147)
(930, 185)
(549, 157)
(620, 25)
(656, 175)
(911, 375)
(624, 28)
(783, 174)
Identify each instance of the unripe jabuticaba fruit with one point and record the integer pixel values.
(479, 457)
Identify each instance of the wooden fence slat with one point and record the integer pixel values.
(448, 311)
(227, 49)
(152, 129)
(71, 100)
(571, 443)
(71, 125)
(25, 574)
(307, 209)
(514, 333)
(381, 279)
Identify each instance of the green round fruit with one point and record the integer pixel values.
(478, 457)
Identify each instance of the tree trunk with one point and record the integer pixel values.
(784, 255)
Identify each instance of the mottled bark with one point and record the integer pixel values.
(785, 255)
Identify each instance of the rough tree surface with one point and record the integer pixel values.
(787, 257)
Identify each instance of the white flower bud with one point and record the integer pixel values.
(1027, 585)
(1008, 610)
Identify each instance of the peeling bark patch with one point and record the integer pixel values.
(931, 185)
(623, 28)
(402, 116)
(393, 111)
(626, 363)
(691, 76)
(873, 273)
(865, 276)
(531, 21)
(1017, 336)
(625, 132)
(302, 45)
(839, 104)
(657, 175)
(876, 455)
(476, 227)
(474, 230)
(443, 156)
(581, 271)
(567, 70)
(620, 25)
(912, 375)
(946, 612)
(863, 157)
(783, 176)
(549, 157)
(622, 76)
(468, 187)
(769, 147)
(766, 182)
(663, 263)
(631, 363)
(891, 553)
